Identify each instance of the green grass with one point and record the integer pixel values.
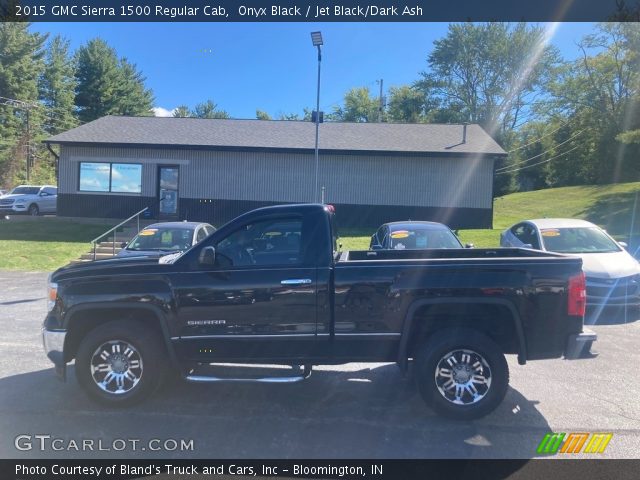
(44, 244)
(610, 206)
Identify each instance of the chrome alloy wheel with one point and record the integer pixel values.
(116, 367)
(463, 377)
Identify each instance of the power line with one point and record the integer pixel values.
(538, 139)
(539, 163)
(540, 154)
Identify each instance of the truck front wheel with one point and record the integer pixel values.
(461, 373)
(120, 363)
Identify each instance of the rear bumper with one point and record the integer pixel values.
(53, 342)
(579, 345)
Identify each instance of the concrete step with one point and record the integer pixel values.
(110, 244)
(99, 256)
(109, 250)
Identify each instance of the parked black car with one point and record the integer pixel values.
(269, 288)
(414, 235)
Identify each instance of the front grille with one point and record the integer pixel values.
(6, 202)
(616, 288)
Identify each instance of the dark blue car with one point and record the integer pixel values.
(413, 235)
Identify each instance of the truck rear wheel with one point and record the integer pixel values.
(120, 363)
(462, 373)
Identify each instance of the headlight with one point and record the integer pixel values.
(19, 202)
(52, 294)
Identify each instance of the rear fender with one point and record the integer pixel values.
(410, 319)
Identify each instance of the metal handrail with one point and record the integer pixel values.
(94, 242)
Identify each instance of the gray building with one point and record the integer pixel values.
(213, 170)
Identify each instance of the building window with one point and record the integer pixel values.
(111, 177)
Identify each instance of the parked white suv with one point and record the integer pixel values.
(31, 199)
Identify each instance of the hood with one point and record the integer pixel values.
(111, 266)
(16, 196)
(609, 265)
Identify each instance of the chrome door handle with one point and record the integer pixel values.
(296, 281)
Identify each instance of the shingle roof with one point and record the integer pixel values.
(299, 135)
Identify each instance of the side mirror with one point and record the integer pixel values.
(123, 244)
(469, 245)
(43, 194)
(207, 256)
(376, 246)
(624, 245)
(527, 245)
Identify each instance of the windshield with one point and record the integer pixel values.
(419, 238)
(169, 239)
(577, 240)
(26, 190)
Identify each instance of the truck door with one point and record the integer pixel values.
(257, 299)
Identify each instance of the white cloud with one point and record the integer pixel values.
(162, 112)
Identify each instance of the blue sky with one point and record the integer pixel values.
(272, 66)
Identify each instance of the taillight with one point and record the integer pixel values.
(577, 298)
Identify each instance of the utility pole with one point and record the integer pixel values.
(381, 98)
(28, 156)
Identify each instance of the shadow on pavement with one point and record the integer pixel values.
(367, 413)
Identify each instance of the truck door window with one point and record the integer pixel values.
(275, 242)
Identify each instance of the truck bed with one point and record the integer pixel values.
(446, 254)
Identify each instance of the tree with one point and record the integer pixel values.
(57, 87)
(21, 64)
(489, 72)
(133, 98)
(108, 85)
(209, 109)
(182, 111)
(359, 106)
(262, 115)
(406, 105)
(98, 76)
(600, 94)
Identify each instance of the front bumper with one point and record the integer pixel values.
(20, 208)
(619, 292)
(53, 342)
(579, 344)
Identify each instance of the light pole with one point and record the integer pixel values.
(316, 39)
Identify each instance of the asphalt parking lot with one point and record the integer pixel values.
(349, 411)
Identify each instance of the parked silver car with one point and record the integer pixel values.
(31, 199)
(167, 237)
(612, 274)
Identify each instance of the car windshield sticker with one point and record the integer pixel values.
(150, 231)
(550, 232)
(400, 234)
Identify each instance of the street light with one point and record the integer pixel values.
(316, 39)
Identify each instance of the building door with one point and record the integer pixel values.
(168, 192)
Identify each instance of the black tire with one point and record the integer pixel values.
(148, 352)
(486, 363)
(34, 211)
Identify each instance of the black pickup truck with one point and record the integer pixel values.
(270, 287)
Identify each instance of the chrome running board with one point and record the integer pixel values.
(306, 373)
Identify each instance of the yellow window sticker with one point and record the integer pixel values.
(148, 232)
(550, 232)
(400, 234)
